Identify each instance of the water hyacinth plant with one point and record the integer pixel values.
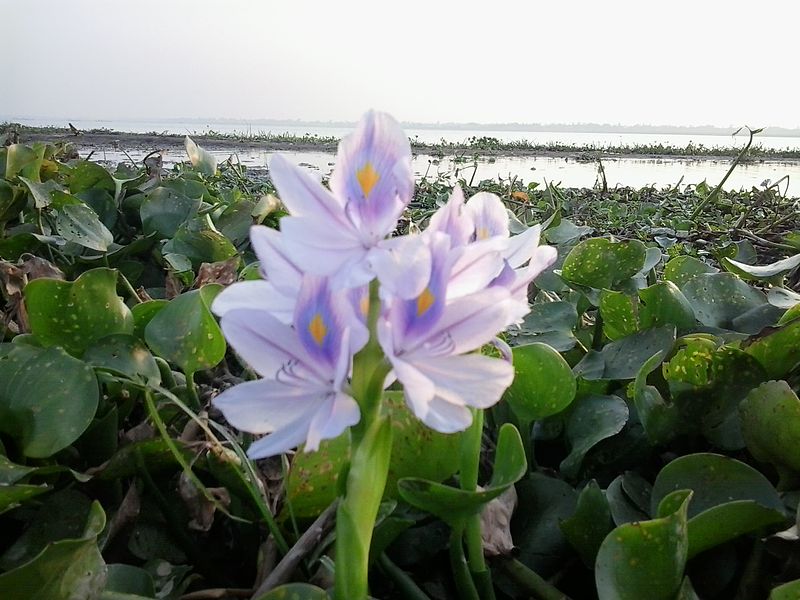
(344, 311)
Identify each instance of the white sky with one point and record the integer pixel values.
(725, 63)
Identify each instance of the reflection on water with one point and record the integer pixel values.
(634, 172)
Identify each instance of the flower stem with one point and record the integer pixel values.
(458, 563)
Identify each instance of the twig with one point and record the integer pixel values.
(307, 542)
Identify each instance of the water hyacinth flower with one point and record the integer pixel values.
(302, 397)
(337, 232)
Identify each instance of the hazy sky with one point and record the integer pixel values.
(659, 61)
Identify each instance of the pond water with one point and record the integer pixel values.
(569, 172)
(427, 135)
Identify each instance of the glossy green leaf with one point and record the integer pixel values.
(64, 570)
(41, 192)
(777, 349)
(772, 273)
(143, 314)
(681, 269)
(730, 498)
(620, 314)
(126, 355)
(202, 160)
(591, 523)
(771, 424)
(624, 358)
(452, 504)
(24, 160)
(200, 242)
(88, 175)
(76, 314)
(127, 579)
(600, 263)
(543, 382)
(550, 323)
(186, 333)
(787, 591)
(165, 210)
(417, 451)
(664, 304)
(592, 420)
(47, 401)
(718, 298)
(80, 224)
(644, 559)
(658, 418)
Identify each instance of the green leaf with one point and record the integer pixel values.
(165, 210)
(186, 333)
(80, 224)
(624, 358)
(730, 498)
(88, 175)
(787, 591)
(200, 242)
(600, 263)
(417, 451)
(620, 314)
(772, 273)
(294, 591)
(64, 570)
(588, 527)
(681, 269)
(718, 298)
(777, 349)
(126, 355)
(12, 496)
(644, 559)
(41, 192)
(451, 504)
(202, 160)
(664, 304)
(543, 382)
(47, 400)
(25, 160)
(593, 419)
(143, 313)
(127, 579)
(550, 323)
(658, 418)
(76, 314)
(771, 424)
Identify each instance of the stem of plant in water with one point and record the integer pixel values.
(458, 563)
(717, 190)
(532, 582)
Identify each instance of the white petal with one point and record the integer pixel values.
(301, 193)
(472, 321)
(419, 390)
(281, 441)
(256, 294)
(453, 220)
(265, 343)
(320, 247)
(266, 405)
(338, 413)
(477, 265)
(470, 379)
(522, 246)
(445, 417)
(275, 263)
(403, 265)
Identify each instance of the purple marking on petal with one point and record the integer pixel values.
(419, 314)
(318, 323)
(373, 175)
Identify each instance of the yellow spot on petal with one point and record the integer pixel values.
(425, 301)
(363, 305)
(367, 178)
(482, 233)
(317, 329)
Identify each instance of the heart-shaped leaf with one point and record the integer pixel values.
(592, 420)
(681, 269)
(600, 263)
(588, 527)
(644, 559)
(76, 314)
(543, 382)
(186, 333)
(623, 358)
(718, 298)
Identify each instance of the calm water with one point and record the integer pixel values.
(431, 135)
(569, 172)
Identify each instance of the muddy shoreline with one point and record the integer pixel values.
(144, 142)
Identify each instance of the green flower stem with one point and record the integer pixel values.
(458, 563)
(355, 518)
(371, 448)
(533, 583)
(407, 586)
(470, 462)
